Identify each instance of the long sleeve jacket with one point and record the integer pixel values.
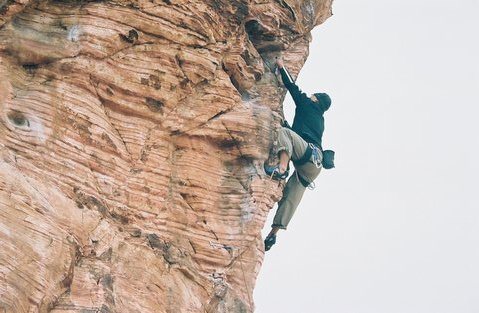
(308, 119)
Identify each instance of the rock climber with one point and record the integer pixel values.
(302, 144)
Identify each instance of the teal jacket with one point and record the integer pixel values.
(308, 119)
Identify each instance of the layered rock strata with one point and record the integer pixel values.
(132, 139)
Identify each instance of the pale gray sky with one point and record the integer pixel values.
(395, 227)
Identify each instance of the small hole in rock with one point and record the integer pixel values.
(4, 5)
(154, 105)
(30, 68)
(262, 39)
(18, 119)
(253, 28)
(132, 36)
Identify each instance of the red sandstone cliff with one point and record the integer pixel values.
(132, 138)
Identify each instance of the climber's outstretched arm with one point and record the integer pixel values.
(298, 96)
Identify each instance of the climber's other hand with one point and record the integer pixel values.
(279, 62)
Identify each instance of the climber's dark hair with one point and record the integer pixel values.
(324, 100)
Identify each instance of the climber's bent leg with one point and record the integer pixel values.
(290, 146)
(292, 143)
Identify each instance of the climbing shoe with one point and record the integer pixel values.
(273, 172)
(269, 242)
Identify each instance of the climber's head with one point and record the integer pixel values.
(323, 99)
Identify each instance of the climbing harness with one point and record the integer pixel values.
(317, 155)
(312, 154)
(304, 182)
(305, 158)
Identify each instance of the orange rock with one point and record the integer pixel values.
(132, 140)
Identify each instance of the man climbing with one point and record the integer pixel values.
(302, 145)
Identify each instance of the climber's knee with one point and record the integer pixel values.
(284, 142)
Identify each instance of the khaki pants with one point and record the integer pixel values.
(295, 146)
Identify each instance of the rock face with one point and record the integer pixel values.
(132, 139)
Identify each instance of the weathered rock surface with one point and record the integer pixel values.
(132, 138)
